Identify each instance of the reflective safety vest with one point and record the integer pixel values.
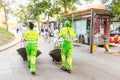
(63, 33)
(31, 36)
(67, 33)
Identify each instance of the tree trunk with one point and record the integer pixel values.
(48, 21)
(38, 22)
(65, 5)
(6, 17)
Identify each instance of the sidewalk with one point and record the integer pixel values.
(86, 66)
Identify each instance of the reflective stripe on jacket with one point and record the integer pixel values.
(31, 36)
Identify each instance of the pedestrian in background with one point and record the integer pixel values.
(56, 32)
(42, 33)
(31, 38)
(17, 30)
(67, 33)
(46, 33)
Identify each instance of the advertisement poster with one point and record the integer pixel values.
(101, 29)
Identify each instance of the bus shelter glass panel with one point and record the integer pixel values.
(81, 27)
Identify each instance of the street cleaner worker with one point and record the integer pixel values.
(31, 38)
(67, 33)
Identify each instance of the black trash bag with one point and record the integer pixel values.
(56, 55)
(23, 53)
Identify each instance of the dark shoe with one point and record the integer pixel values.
(33, 73)
(63, 68)
(69, 71)
(28, 66)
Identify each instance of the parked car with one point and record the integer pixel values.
(115, 35)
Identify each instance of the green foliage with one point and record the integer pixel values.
(116, 8)
(3, 31)
(35, 8)
(52, 10)
(26, 13)
(40, 7)
(67, 4)
(5, 36)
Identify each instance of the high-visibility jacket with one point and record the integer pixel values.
(31, 36)
(63, 32)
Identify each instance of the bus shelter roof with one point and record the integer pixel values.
(88, 11)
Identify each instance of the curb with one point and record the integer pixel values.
(5, 47)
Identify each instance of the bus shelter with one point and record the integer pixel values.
(97, 22)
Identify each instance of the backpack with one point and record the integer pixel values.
(68, 37)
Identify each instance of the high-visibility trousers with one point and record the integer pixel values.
(66, 56)
(31, 50)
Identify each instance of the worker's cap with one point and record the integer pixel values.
(67, 23)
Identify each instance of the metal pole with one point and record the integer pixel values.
(91, 30)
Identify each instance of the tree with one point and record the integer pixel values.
(4, 5)
(116, 8)
(67, 4)
(45, 6)
(53, 9)
(24, 14)
(30, 11)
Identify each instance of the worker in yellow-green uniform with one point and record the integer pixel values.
(67, 33)
(31, 38)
